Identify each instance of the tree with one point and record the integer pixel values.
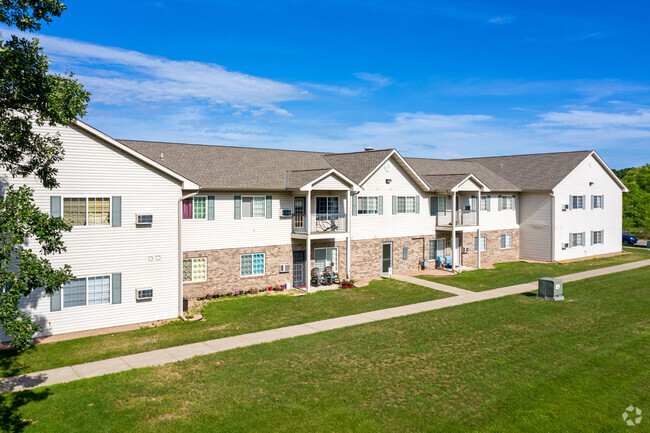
(29, 96)
(636, 202)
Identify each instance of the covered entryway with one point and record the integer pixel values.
(299, 279)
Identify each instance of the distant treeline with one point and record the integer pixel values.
(636, 203)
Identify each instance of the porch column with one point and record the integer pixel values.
(478, 231)
(453, 233)
(348, 209)
(308, 241)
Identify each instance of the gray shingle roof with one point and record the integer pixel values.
(444, 181)
(427, 167)
(298, 178)
(534, 172)
(357, 165)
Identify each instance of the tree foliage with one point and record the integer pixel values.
(23, 270)
(30, 96)
(636, 203)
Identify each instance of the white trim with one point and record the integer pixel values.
(186, 183)
(424, 186)
(335, 268)
(308, 186)
(473, 179)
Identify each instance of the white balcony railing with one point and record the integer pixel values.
(463, 218)
(321, 223)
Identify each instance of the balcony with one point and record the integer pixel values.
(464, 218)
(321, 223)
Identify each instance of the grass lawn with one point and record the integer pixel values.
(512, 273)
(509, 364)
(222, 318)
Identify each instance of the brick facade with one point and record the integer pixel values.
(223, 266)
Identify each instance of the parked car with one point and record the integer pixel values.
(629, 239)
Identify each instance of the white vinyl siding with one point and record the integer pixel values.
(367, 205)
(252, 265)
(326, 257)
(253, 207)
(483, 243)
(506, 241)
(195, 270)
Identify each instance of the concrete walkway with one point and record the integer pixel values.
(179, 353)
(431, 284)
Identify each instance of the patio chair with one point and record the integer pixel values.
(316, 279)
(441, 261)
(448, 262)
(330, 276)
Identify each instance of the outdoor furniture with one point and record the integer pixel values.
(316, 278)
(330, 276)
(448, 262)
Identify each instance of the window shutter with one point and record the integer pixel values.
(570, 238)
(592, 201)
(116, 294)
(570, 202)
(117, 211)
(583, 239)
(269, 206)
(405, 253)
(433, 205)
(602, 236)
(584, 202)
(238, 207)
(488, 203)
(500, 202)
(394, 205)
(432, 246)
(354, 204)
(602, 201)
(380, 205)
(417, 204)
(591, 236)
(55, 206)
(514, 202)
(55, 301)
(475, 243)
(210, 207)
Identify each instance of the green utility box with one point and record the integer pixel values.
(550, 288)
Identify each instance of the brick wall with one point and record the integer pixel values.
(494, 253)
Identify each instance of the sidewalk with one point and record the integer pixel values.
(179, 353)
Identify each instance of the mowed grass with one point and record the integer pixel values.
(512, 364)
(222, 318)
(512, 273)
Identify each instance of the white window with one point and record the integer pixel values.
(87, 291)
(577, 202)
(87, 211)
(368, 205)
(406, 204)
(507, 202)
(577, 239)
(326, 257)
(327, 207)
(253, 207)
(195, 270)
(252, 264)
(483, 243)
(506, 241)
(597, 237)
(485, 202)
(200, 208)
(437, 248)
(596, 201)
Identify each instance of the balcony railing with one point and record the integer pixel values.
(463, 218)
(321, 223)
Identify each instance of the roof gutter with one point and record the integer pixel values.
(180, 253)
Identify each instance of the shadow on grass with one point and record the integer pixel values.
(11, 419)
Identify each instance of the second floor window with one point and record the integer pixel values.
(507, 202)
(367, 205)
(596, 201)
(253, 207)
(326, 206)
(195, 208)
(92, 211)
(406, 204)
(577, 202)
(485, 202)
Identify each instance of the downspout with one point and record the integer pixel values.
(180, 253)
(478, 230)
(453, 233)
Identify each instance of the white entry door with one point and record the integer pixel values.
(456, 251)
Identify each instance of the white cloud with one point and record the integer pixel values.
(376, 79)
(595, 119)
(118, 76)
(501, 19)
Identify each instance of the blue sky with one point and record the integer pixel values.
(433, 79)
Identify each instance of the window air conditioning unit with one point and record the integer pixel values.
(144, 219)
(565, 207)
(144, 294)
(465, 250)
(285, 268)
(286, 213)
(565, 246)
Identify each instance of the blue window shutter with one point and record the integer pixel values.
(55, 206)
(116, 217)
(500, 202)
(210, 207)
(417, 204)
(394, 205)
(488, 203)
(514, 202)
(433, 205)
(116, 281)
(602, 201)
(238, 207)
(55, 301)
(380, 205)
(584, 202)
(354, 204)
(570, 240)
(269, 206)
(570, 202)
(405, 253)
